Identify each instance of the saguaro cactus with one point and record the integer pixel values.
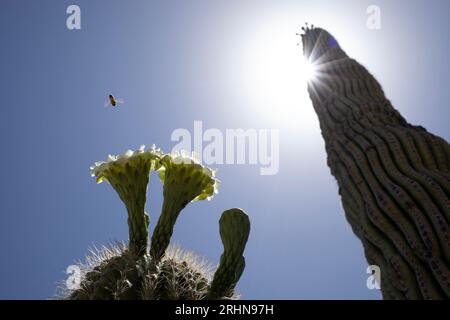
(393, 177)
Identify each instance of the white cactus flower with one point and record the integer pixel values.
(192, 180)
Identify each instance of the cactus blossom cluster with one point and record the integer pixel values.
(135, 271)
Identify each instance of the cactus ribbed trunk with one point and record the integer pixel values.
(393, 177)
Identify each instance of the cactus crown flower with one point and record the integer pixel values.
(111, 169)
(187, 178)
(128, 173)
(129, 176)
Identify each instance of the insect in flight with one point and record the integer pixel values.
(112, 101)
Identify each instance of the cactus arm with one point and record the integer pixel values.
(234, 232)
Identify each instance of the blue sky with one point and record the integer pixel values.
(230, 64)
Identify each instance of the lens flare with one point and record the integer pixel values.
(308, 68)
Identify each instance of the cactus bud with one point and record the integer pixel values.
(234, 232)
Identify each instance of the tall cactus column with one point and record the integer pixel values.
(393, 177)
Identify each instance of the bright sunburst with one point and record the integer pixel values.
(273, 76)
(308, 69)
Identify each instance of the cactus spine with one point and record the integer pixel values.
(393, 177)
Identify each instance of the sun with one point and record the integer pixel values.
(273, 76)
(309, 69)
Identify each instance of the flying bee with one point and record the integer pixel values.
(112, 101)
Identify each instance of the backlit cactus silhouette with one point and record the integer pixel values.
(134, 272)
(393, 177)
